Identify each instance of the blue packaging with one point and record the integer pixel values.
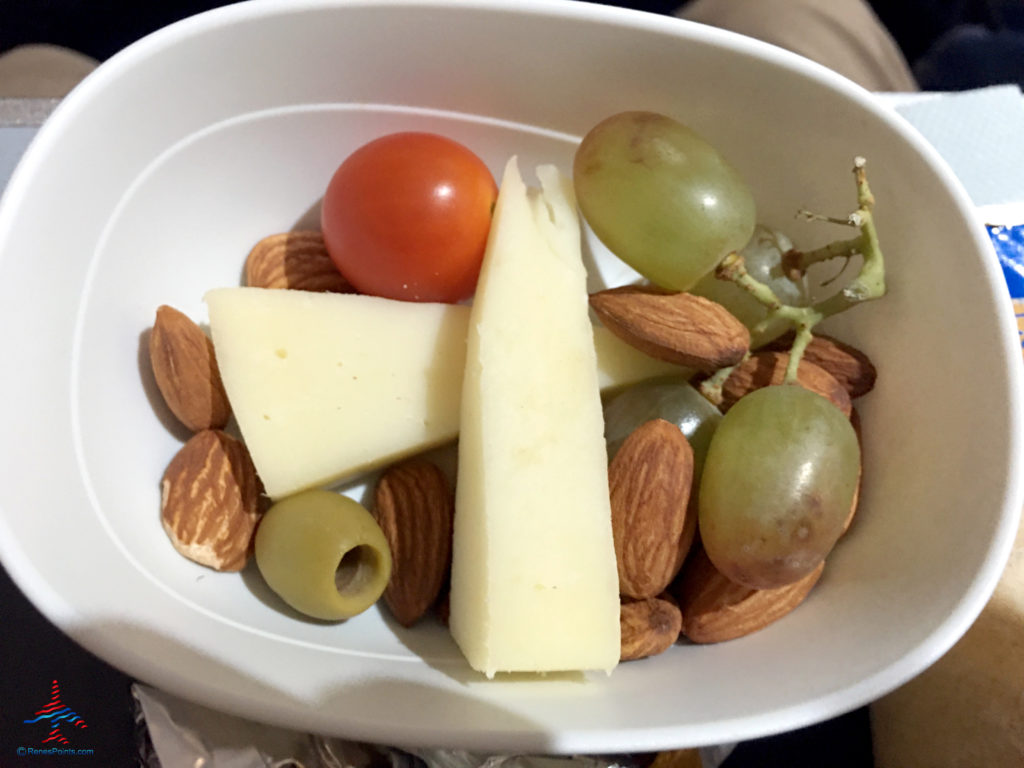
(1009, 245)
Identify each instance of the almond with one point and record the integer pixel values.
(763, 369)
(414, 506)
(186, 373)
(667, 596)
(650, 480)
(296, 260)
(648, 627)
(679, 328)
(716, 609)
(210, 501)
(848, 365)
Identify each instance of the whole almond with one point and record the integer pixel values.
(763, 369)
(650, 481)
(648, 627)
(847, 364)
(415, 507)
(679, 328)
(296, 260)
(186, 372)
(210, 501)
(716, 609)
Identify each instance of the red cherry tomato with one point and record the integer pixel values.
(407, 215)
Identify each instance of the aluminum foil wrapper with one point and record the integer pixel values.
(172, 732)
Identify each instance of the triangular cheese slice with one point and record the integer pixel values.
(325, 386)
(534, 584)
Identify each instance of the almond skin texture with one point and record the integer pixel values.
(415, 507)
(679, 328)
(648, 627)
(716, 609)
(210, 501)
(296, 260)
(186, 373)
(763, 369)
(650, 481)
(847, 364)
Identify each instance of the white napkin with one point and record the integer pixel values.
(980, 133)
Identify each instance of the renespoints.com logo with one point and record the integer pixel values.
(56, 715)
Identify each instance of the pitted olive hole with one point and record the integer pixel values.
(356, 570)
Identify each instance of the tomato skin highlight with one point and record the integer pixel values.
(407, 216)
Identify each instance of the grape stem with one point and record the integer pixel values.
(868, 284)
(711, 387)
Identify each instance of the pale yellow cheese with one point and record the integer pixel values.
(534, 582)
(324, 386)
(619, 364)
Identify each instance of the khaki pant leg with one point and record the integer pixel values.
(967, 710)
(42, 71)
(843, 35)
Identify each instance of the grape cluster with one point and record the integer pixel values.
(777, 474)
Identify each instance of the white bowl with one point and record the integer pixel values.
(152, 180)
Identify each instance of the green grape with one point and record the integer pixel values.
(675, 401)
(323, 554)
(661, 198)
(762, 257)
(777, 486)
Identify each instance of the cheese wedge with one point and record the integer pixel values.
(534, 584)
(325, 386)
(620, 365)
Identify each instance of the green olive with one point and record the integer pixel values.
(323, 554)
